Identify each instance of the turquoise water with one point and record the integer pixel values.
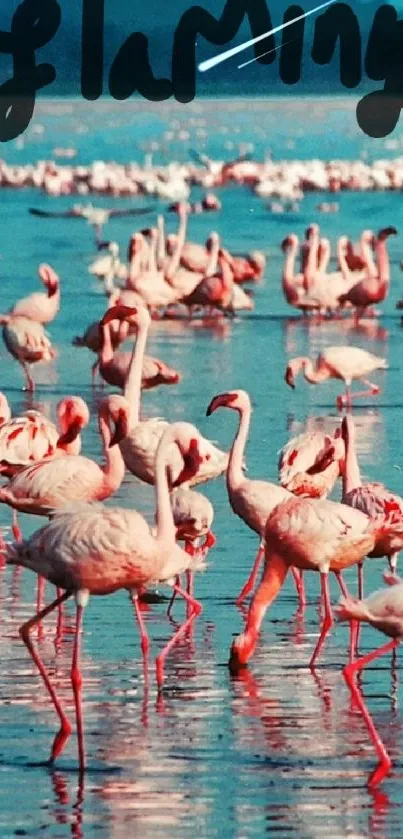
(275, 751)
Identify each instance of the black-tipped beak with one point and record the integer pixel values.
(120, 431)
(191, 462)
(289, 377)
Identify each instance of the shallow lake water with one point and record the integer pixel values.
(276, 750)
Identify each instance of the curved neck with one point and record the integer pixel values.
(161, 243)
(132, 389)
(134, 268)
(312, 374)
(166, 530)
(211, 267)
(234, 471)
(351, 473)
(152, 255)
(324, 257)
(227, 277)
(342, 260)
(383, 262)
(114, 468)
(180, 241)
(289, 268)
(367, 255)
(106, 351)
(311, 266)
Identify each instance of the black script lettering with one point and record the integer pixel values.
(34, 24)
(131, 71)
(378, 112)
(339, 22)
(196, 21)
(92, 49)
(292, 46)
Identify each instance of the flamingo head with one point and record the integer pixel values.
(290, 241)
(238, 400)
(242, 649)
(291, 374)
(166, 375)
(136, 245)
(212, 241)
(115, 410)
(171, 241)
(5, 413)
(312, 232)
(138, 316)
(49, 278)
(257, 261)
(211, 202)
(73, 415)
(193, 449)
(386, 232)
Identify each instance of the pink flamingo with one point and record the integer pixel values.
(140, 445)
(374, 287)
(310, 464)
(51, 484)
(114, 367)
(193, 516)
(215, 292)
(149, 282)
(27, 342)
(39, 306)
(99, 550)
(32, 437)
(310, 534)
(345, 363)
(373, 499)
(251, 500)
(92, 338)
(249, 268)
(384, 611)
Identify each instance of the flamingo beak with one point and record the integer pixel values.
(121, 430)
(223, 400)
(191, 460)
(289, 377)
(118, 313)
(72, 432)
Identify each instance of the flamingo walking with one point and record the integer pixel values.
(251, 500)
(345, 363)
(27, 342)
(384, 611)
(95, 550)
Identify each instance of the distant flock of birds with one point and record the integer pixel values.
(89, 549)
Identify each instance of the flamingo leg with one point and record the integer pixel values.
(65, 727)
(16, 528)
(28, 378)
(196, 610)
(327, 621)
(94, 371)
(250, 583)
(349, 672)
(77, 681)
(145, 643)
(173, 598)
(392, 560)
(352, 641)
(299, 584)
(355, 625)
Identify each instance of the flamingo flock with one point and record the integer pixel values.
(86, 548)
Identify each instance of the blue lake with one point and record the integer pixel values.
(276, 750)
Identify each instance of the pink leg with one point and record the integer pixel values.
(327, 621)
(29, 380)
(145, 643)
(16, 528)
(250, 583)
(173, 598)
(349, 673)
(196, 610)
(299, 584)
(344, 591)
(373, 390)
(355, 625)
(94, 371)
(190, 589)
(65, 727)
(39, 594)
(209, 542)
(77, 681)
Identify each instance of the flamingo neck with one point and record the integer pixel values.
(152, 256)
(161, 243)
(341, 257)
(166, 530)
(289, 278)
(351, 472)
(383, 263)
(180, 241)
(114, 468)
(311, 266)
(312, 374)
(234, 471)
(227, 279)
(132, 389)
(134, 269)
(211, 267)
(106, 352)
(367, 255)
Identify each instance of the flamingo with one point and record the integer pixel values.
(39, 306)
(345, 363)
(193, 516)
(32, 437)
(310, 464)
(150, 284)
(310, 534)
(140, 445)
(384, 611)
(51, 484)
(114, 367)
(374, 287)
(27, 341)
(95, 550)
(251, 500)
(217, 291)
(371, 498)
